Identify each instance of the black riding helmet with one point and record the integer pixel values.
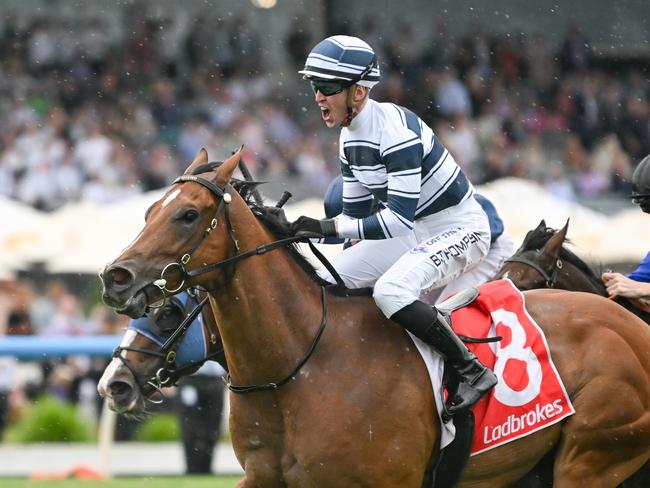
(641, 179)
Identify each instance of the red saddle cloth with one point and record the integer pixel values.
(530, 394)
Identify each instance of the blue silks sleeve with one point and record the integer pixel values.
(642, 272)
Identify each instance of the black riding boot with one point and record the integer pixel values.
(426, 323)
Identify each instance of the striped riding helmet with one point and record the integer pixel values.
(344, 58)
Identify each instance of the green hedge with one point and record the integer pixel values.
(160, 427)
(50, 420)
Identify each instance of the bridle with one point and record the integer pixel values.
(551, 279)
(168, 374)
(224, 204)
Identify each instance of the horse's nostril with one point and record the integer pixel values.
(119, 276)
(119, 388)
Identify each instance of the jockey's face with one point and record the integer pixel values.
(333, 109)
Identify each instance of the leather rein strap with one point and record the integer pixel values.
(296, 370)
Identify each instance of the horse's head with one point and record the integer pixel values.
(537, 263)
(188, 227)
(172, 341)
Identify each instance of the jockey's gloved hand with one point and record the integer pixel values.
(308, 227)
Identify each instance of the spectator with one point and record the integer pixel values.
(298, 42)
(452, 97)
(18, 323)
(200, 407)
(68, 319)
(575, 53)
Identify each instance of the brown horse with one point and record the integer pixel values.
(543, 261)
(349, 404)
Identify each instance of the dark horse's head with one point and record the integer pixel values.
(173, 340)
(543, 261)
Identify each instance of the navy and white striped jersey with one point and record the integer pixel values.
(388, 152)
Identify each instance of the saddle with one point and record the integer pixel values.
(459, 300)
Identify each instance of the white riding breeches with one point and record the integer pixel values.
(440, 248)
(500, 250)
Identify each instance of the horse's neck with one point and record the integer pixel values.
(577, 280)
(267, 315)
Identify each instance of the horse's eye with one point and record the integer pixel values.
(190, 216)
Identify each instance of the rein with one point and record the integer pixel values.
(296, 370)
(550, 279)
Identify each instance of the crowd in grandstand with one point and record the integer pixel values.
(88, 114)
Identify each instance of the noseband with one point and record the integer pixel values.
(550, 279)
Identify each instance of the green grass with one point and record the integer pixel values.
(140, 482)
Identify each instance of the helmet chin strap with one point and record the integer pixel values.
(349, 102)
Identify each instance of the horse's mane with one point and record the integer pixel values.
(537, 238)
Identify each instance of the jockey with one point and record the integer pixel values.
(430, 228)
(501, 245)
(635, 285)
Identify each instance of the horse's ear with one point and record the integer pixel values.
(225, 171)
(199, 159)
(554, 244)
(533, 234)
